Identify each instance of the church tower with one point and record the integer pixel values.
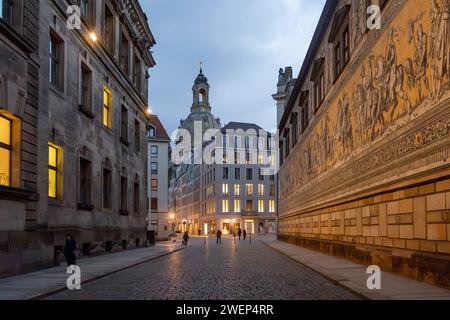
(200, 92)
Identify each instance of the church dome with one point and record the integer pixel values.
(207, 120)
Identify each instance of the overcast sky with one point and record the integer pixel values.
(242, 44)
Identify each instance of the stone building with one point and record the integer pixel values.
(158, 175)
(77, 142)
(230, 191)
(365, 140)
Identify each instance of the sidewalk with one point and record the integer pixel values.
(353, 276)
(41, 283)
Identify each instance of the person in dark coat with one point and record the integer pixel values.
(219, 236)
(239, 233)
(244, 233)
(185, 238)
(69, 250)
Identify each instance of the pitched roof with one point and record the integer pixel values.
(161, 132)
(241, 125)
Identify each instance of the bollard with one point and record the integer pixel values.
(250, 238)
(204, 239)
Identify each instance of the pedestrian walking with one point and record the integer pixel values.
(239, 233)
(185, 238)
(219, 236)
(69, 250)
(244, 233)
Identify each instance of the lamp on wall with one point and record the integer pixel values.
(93, 36)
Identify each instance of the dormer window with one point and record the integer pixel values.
(340, 38)
(152, 132)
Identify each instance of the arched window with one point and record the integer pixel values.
(201, 96)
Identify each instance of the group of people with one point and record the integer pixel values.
(240, 233)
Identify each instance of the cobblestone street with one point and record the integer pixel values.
(214, 271)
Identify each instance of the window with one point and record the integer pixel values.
(154, 150)
(225, 189)
(107, 189)
(225, 138)
(152, 132)
(11, 11)
(341, 52)
(237, 189)
(237, 173)
(247, 142)
(136, 197)
(286, 142)
(247, 158)
(249, 174)
(225, 173)
(272, 190)
(85, 183)
(56, 67)
(54, 172)
(261, 159)
(5, 151)
(260, 175)
(237, 206)
(86, 87)
(249, 205)
(260, 206)
(108, 29)
(249, 189)
(261, 189)
(154, 184)
(137, 73)
(272, 177)
(87, 10)
(271, 206)
(154, 204)
(225, 205)
(319, 87)
(124, 125)
(107, 108)
(137, 136)
(294, 122)
(154, 167)
(124, 54)
(123, 195)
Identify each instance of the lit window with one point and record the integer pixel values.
(237, 206)
(249, 188)
(260, 159)
(107, 104)
(52, 171)
(5, 151)
(271, 206)
(260, 206)
(154, 184)
(237, 189)
(260, 189)
(225, 205)
(225, 189)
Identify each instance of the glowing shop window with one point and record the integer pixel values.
(5, 151)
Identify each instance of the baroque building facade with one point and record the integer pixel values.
(230, 190)
(365, 140)
(78, 160)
